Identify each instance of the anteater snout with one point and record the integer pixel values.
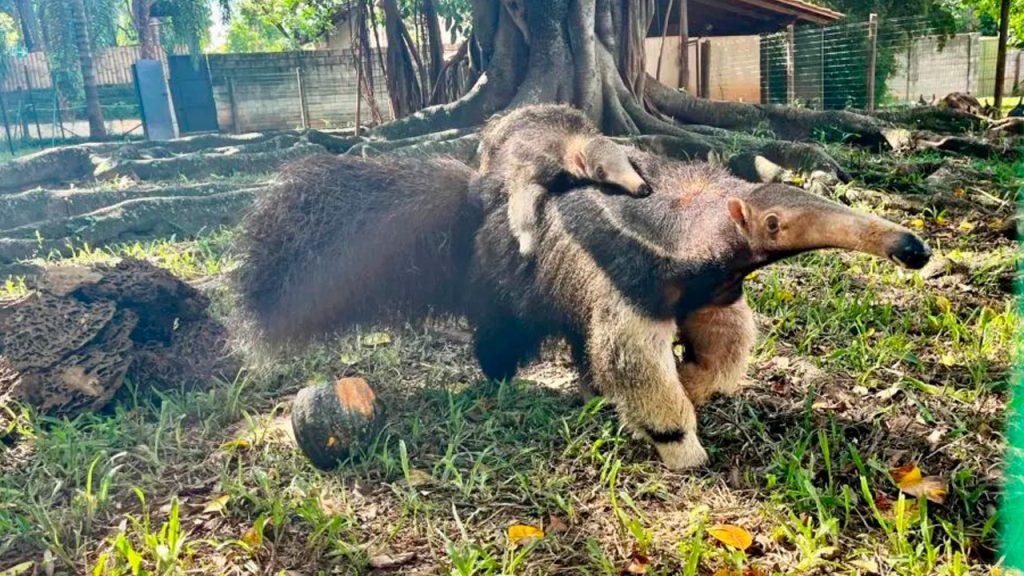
(910, 251)
(643, 191)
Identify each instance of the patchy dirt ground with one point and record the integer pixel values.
(861, 369)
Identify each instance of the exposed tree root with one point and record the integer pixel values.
(143, 218)
(463, 149)
(49, 166)
(377, 147)
(40, 204)
(202, 165)
(932, 118)
(785, 121)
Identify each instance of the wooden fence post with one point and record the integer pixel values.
(7, 127)
(790, 64)
(872, 57)
(1004, 31)
(705, 69)
(302, 98)
(970, 61)
(684, 45)
(233, 105)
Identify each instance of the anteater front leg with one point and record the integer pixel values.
(632, 364)
(719, 340)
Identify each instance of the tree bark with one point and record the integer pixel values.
(590, 53)
(32, 33)
(435, 44)
(403, 86)
(84, 46)
(143, 24)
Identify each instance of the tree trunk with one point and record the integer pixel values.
(144, 28)
(84, 46)
(403, 85)
(590, 53)
(31, 31)
(435, 43)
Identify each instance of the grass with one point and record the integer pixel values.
(860, 368)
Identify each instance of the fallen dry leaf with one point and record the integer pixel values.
(383, 561)
(868, 566)
(637, 564)
(910, 481)
(419, 477)
(522, 535)
(731, 535)
(556, 525)
(217, 504)
(19, 569)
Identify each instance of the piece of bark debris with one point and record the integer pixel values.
(386, 561)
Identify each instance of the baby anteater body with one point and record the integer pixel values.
(539, 148)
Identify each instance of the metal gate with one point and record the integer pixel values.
(192, 95)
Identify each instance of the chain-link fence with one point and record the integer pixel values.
(853, 64)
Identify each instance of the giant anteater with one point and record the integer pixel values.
(345, 240)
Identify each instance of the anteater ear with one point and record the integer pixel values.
(579, 160)
(739, 212)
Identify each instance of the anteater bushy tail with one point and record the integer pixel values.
(340, 240)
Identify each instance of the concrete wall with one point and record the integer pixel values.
(735, 71)
(261, 91)
(965, 63)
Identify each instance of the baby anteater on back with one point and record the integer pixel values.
(534, 147)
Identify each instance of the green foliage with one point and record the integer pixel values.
(456, 15)
(184, 23)
(298, 21)
(251, 31)
(57, 22)
(983, 16)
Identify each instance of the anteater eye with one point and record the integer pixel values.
(771, 222)
(600, 173)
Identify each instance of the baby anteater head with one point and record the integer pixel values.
(602, 160)
(779, 221)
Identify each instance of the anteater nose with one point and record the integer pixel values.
(910, 251)
(644, 190)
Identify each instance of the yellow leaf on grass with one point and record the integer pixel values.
(943, 303)
(238, 444)
(376, 339)
(967, 226)
(731, 536)
(217, 504)
(254, 535)
(912, 482)
(729, 571)
(917, 223)
(19, 569)
(948, 360)
(637, 564)
(521, 535)
(940, 219)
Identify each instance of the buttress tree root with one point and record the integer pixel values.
(590, 53)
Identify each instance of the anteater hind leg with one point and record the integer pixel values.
(632, 365)
(718, 340)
